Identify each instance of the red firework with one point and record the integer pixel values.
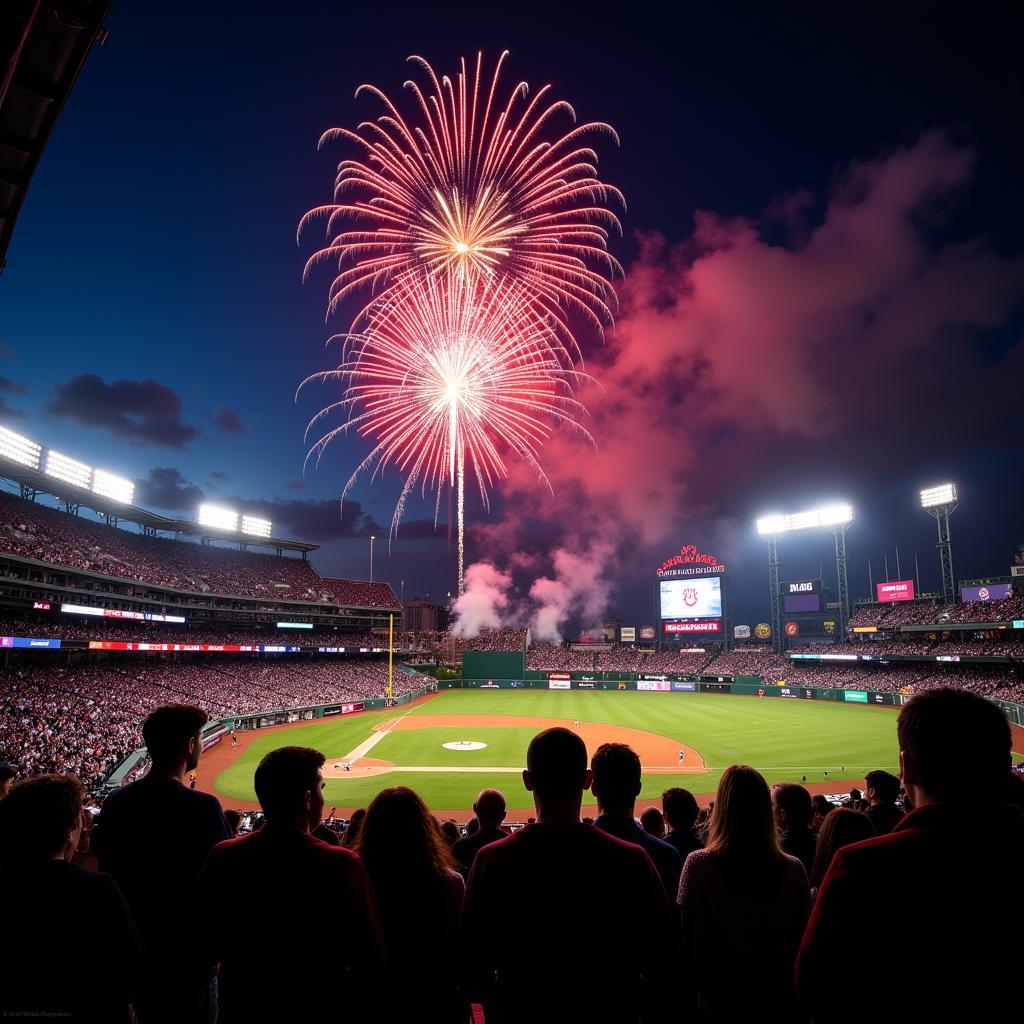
(475, 183)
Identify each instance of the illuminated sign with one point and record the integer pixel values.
(653, 684)
(116, 613)
(691, 562)
(29, 642)
(762, 631)
(992, 592)
(691, 599)
(855, 696)
(41, 606)
(295, 625)
(710, 626)
(897, 590)
(628, 634)
(802, 587)
(792, 629)
(647, 632)
(741, 632)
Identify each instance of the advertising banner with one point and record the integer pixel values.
(741, 632)
(691, 599)
(855, 696)
(627, 634)
(792, 629)
(991, 592)
(800, 587)
(711, 626)
(763, 631)
(29, 642)
(559, 684)
(647, 632)
(896, 590)
(653, 684)
(681, 687)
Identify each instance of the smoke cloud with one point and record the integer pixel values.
(484, 601)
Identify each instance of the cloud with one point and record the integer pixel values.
(144, 412)
(9, 412)
(13, 386)
(296, 485)
(228, 421)
(165, 487)
(218, 474)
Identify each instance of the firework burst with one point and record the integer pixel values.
(451, 377)
(475, 182)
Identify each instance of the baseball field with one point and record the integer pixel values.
(450, 746)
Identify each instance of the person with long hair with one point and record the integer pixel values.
(419, 894)
(842, 827)
(743, 907)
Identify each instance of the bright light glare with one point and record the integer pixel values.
(828, 515)
(219, 518)
(60, 467)
(19, 449)
(114, 487)
(256, 527)
(943, 494)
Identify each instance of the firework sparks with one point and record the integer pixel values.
(472, 184)
(449, 377)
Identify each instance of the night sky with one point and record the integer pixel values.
(823, 292)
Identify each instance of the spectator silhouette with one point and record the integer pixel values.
(883, 789)
(419, 896)
(490, 813)
(8, 773)
(743, 902)
(652, 821)
(616, 769)
(822, 808)
(543, 902)
(234, 820)
(153, 836)
(841, 828)
(71, 949)
(956, 857)
(320, 909)
(355, 823)
(793, 814)
(681, 813)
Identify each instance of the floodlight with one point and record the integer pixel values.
(217, 517)
(60, 467)
(115, 487)
(943, 494)
(256, 527)
(19, 449)
(828, 515)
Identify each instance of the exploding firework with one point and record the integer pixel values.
(448, 377)
(477, 183)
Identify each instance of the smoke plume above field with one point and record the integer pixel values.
(802, 332)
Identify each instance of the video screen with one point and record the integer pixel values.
(691, 599)
(802, 603)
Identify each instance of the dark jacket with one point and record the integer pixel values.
(930, 903)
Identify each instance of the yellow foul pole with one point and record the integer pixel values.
(391, 653)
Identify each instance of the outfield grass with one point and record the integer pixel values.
(784, 739)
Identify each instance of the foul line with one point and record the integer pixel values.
(374, 738)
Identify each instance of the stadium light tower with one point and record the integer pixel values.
(832, 517)
(372, 539)
(939, 502)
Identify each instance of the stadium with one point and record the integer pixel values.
(264, 715)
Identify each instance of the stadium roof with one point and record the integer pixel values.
(49, 42)
(33, 478)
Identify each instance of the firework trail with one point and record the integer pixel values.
(447, 378)
(475, 181)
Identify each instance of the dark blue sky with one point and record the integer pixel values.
(157, 243)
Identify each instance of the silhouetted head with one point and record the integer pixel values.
(41, 820)
(174, 734)
(616, 770)
(289, 786)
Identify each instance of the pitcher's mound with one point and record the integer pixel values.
(464, 745)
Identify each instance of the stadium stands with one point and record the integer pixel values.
(31, 530)
(86, 719)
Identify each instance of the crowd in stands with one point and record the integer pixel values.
(32, 530)
(755, 659)
(889, 615)
(732, 913)
(86, 719)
